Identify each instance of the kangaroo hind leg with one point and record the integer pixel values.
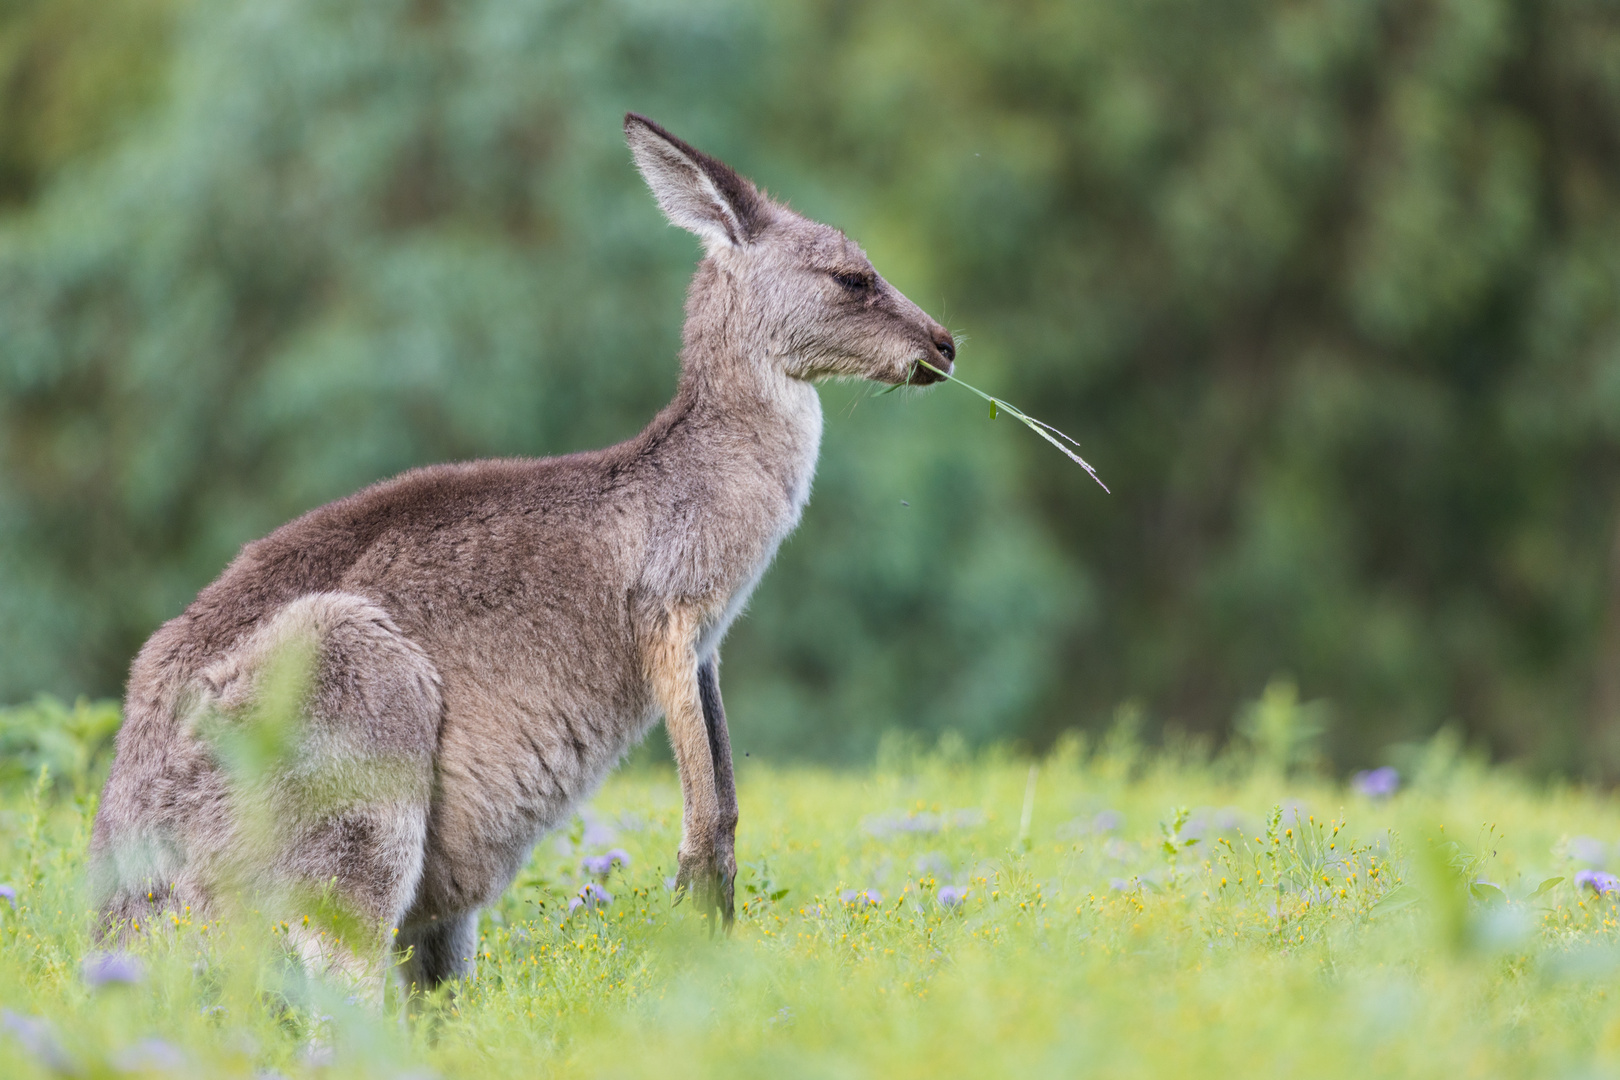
(439, 951)
(334, 823)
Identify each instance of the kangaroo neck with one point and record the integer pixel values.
(734, 390)
(725, 470)
(755, 422)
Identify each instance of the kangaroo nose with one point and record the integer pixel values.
(946, 345)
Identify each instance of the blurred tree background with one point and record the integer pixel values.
(1327, 289)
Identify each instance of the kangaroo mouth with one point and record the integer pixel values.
(927, 372)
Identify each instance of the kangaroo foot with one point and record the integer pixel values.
(710, 877)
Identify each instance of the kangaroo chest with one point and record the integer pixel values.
(550, 693)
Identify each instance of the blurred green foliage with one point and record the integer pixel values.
(943, 915)
(1327, 288)
(72, 744)
(1281, 733)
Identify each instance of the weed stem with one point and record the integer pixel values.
(1039, 427)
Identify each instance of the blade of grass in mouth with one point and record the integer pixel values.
(1039, 427)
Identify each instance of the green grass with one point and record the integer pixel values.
(1345, 941)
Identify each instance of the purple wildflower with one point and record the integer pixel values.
(897, 823)
(1108, 821)
(894, 824)
(591, 897)
(597, 832)
(1378, 783)
(669, 883)
(602, 865)
(951, 896)
(866, 898)
(10, 894)
(1597, 881)
(38, 1040)
(149, 1055)
(102, 968)
(919, 823)
(1118, 884)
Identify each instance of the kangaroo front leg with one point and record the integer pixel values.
(725, 785)
(675, 682)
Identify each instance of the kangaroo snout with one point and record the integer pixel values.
(940, 354)
(945, 345)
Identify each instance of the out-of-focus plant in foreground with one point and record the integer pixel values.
(940, 914)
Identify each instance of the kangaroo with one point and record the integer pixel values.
(485, 640)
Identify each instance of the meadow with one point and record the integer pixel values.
(1103, 910)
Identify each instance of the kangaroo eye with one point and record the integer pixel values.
(854, 282)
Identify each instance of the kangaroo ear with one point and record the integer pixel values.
(694, 190)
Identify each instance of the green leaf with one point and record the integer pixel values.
(1402, 896)
(1487, 893)
(779, 893)
(993, 410)
(1544, 886)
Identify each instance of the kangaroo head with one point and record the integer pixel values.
(804, 289)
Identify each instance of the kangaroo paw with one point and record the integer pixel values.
(709, 879)
(725, 886)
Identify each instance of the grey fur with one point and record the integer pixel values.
(487, 639)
